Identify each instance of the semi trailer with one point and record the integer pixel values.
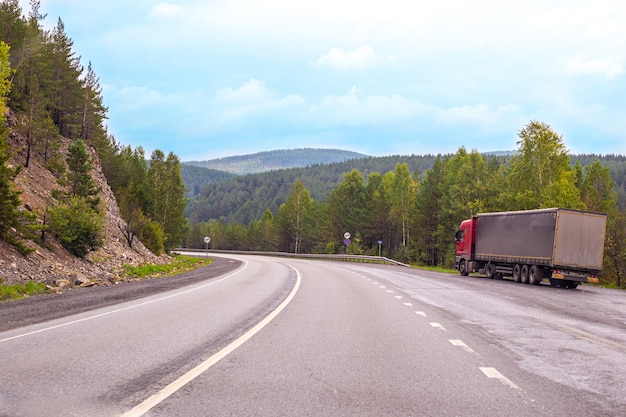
(563, 245)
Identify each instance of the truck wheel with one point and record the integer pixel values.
(463, 268)
(489, 270)
(517, 273)
(535, 275)
(524, 274)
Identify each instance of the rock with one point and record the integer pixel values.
(62, 283)
(80, 280)
(52, 290)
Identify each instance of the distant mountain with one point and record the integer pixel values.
(275, 160)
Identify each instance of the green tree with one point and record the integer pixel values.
(167, 195)
(597, 189)
(9, 196)
(65, 87)
(262, 233)
(430, 238)
(614, 267)
(402, 199)
(540, 173)
(153, 237)
(347, 207)
(94, 112)
(377, 223)
(294, 216)
(77, 225)
(79, 179)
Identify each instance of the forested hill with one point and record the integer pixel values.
(245, 198)
(274, 160)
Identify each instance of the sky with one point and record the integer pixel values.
(206, 79)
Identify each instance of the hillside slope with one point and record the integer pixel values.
(51, 262)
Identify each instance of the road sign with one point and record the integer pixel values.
(346, 235)
(346, 242)
(207, 239)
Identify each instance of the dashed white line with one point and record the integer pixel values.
(460, 343)
(408, 304)
(495, 374)
(420, 313)
(437, 326)
(398, 297)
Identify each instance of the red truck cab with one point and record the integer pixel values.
(465, 242)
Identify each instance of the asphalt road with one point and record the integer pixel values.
(284, 337)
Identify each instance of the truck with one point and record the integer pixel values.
(565, 246)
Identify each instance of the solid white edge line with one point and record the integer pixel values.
(154, 400)
(195, 288)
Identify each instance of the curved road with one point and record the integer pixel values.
(285, 337)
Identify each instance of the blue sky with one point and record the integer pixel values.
(208, 79)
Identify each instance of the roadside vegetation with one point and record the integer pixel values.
(17, 291)
(179, 264)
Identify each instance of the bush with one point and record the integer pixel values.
(77, 225)
(153, 237)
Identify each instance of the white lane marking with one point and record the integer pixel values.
(408, 304)
(495, 374)
(382, 286)
(437, 326)
(154, 400)
(420, 313)
(389, 291)
(398, 297)
(460, 343)
(208, 284)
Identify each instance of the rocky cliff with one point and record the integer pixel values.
(51, 263)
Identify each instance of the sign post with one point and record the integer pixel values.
(380, 242)
(206, 245)
(346, 240)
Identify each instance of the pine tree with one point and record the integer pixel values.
(78, 178)
(9, 197)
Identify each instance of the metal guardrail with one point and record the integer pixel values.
(329, 257)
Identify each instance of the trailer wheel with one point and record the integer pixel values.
(489, 270)
(463, 268)
(524, 274)
(535, 275)
(517, 273)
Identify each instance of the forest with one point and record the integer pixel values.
(45, 95)
(413, 209)
(217, 195)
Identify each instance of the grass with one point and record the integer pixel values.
(180, 264)
(17, 291)
(436, 269)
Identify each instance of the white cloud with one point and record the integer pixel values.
(361, 58)
(607, 67)
(166, 10)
